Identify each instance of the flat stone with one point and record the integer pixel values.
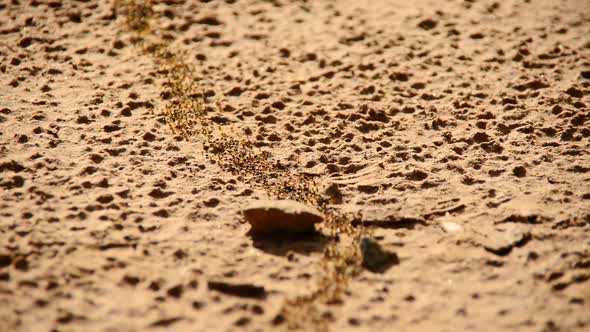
(386, 218)
(287, 216)
(502, 242)
(524, 209)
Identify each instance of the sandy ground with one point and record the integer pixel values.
(455, 122)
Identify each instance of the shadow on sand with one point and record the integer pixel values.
(281, 244)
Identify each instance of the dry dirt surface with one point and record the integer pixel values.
(455, 134)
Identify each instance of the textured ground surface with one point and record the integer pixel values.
(474, 113)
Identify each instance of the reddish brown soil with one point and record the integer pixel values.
(472, 112)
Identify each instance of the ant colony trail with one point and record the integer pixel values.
(324, 165)
(186, 114)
